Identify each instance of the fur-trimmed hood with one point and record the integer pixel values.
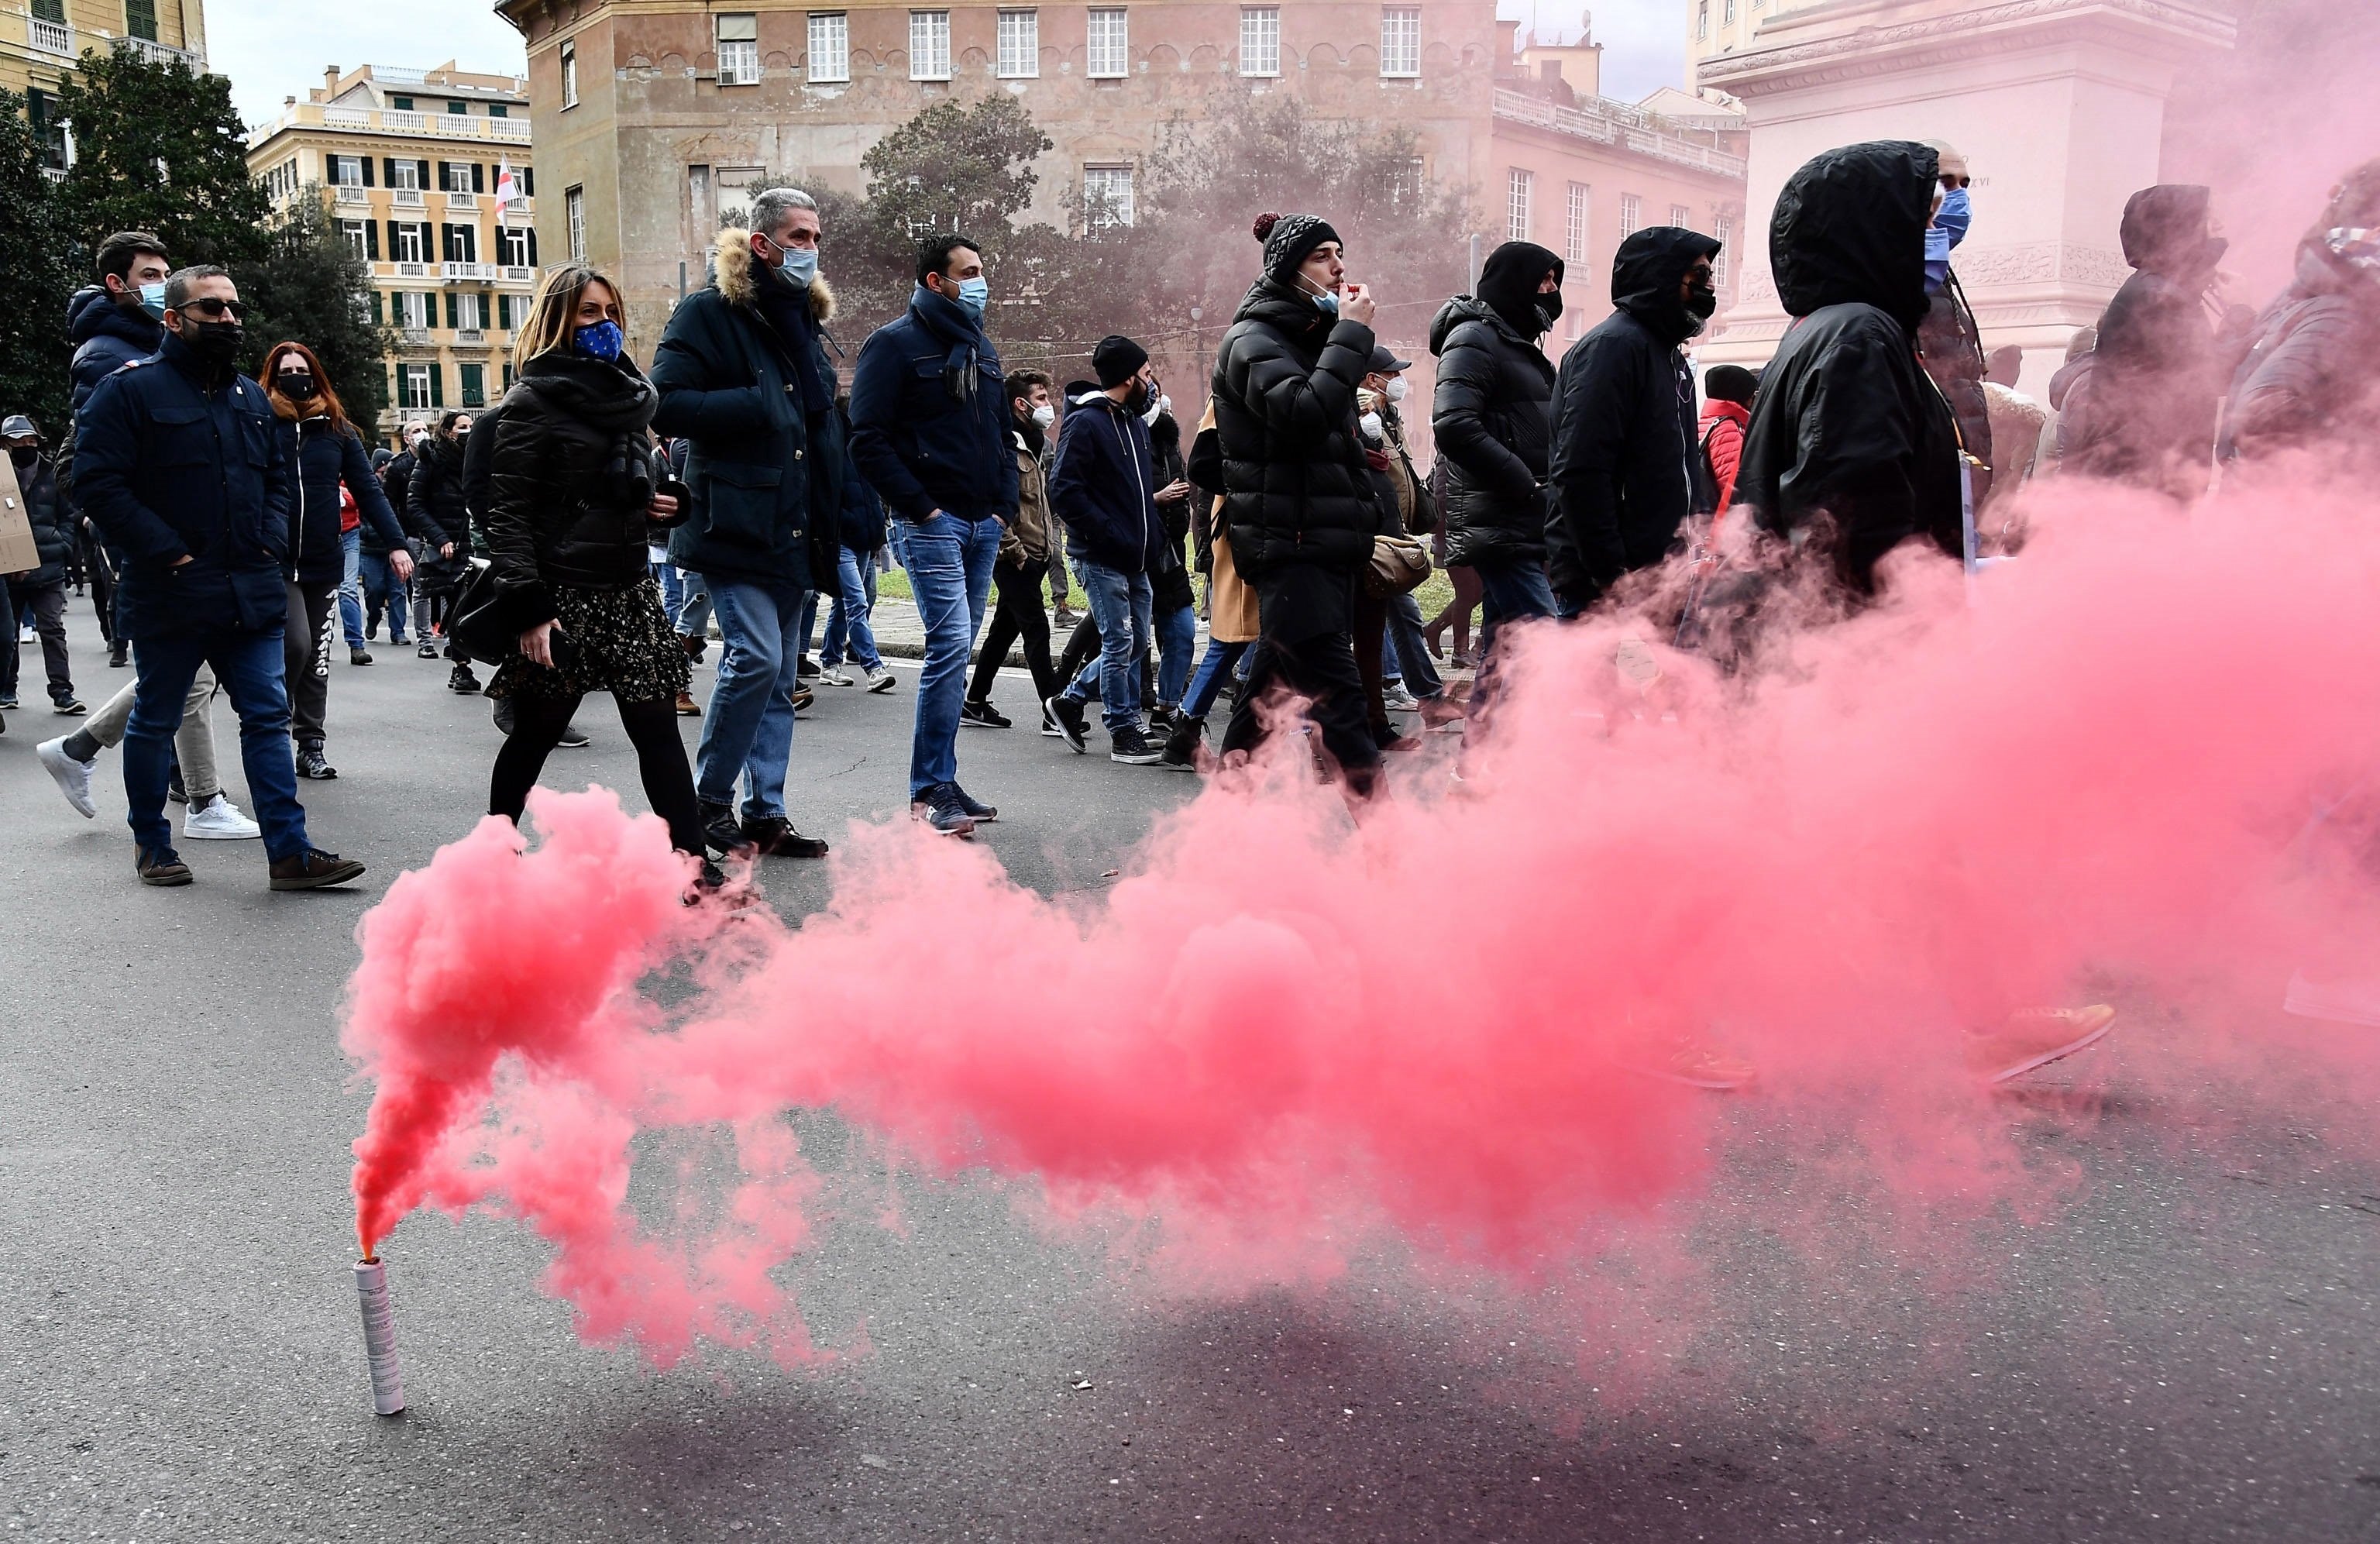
(731, 270)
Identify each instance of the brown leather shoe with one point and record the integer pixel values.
(161, 865)
(688, 707)
(314, 869)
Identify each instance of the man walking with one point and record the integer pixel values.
(1103, 490)
(929, 431)
(742, 375)
(1025, 560)
(1625, 446)
(178, 464)
(111, 323)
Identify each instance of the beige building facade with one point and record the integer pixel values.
(42, 43)
(416, 166)
(656, 118)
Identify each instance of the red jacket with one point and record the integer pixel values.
(1722, 430)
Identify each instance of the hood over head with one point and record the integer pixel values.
(1645, 273)
(1850, 227)
(2165, 229)
(1509, 280)
(738, 274)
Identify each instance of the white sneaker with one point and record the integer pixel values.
(1399, 701)
(835, 676)
(882, 679)
(73, 777)
(219, 819)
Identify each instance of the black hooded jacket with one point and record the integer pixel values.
(1848, 425)
(1625, 437)
(570, 483)
(1491, 410)
(2153, 389)
(1296, 491)
(2309, 374)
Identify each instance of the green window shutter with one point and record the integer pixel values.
(478, 177)
(532, 247)
(451, 323)
(388, 169)
(376, 310)
(425, 174)
(366, 162)
(437, 385)
(371, 244)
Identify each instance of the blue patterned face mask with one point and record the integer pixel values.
(2357, 246)
(603, 340)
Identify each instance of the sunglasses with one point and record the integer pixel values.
(211, 308)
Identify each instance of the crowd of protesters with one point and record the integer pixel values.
(602, 526)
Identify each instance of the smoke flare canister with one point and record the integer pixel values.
(379, 1337)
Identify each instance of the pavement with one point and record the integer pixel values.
(2181, 1347)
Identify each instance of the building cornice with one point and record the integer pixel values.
(1864, 52)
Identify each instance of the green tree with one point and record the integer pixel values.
(33, 351)
(310, 286)
(159, 149)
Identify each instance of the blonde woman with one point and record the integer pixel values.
(574, 494)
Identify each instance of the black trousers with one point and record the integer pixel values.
(306, 655)
(1321, 667)
(1016, 614)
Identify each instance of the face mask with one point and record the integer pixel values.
(2356, 246)
(1328, 301)
(1138, 402)
(1396, 388)
(799, 266)
(153, 299)
(1701, 301)
(215, 343)
(1550, 308)
(603, 341)
(974, 295)
(24, 454)
(1370, 424)
(1045, 415)
(297, 386)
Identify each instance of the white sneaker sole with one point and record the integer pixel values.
(200, 833)
(2041, 1059)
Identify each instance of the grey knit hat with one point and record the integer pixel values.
(1289, 239)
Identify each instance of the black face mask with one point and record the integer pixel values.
(1136, 401)
(1701, 301)
(24, 456)
(298, 387)
(215, 343)
(1550, 308)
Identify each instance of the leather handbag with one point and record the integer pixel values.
(1399, 563)
(472, 621)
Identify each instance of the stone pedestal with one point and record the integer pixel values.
(2057, 104)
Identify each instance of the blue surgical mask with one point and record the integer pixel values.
(975, 293)
(1328, 301)
(602, 340)
(153, 299)
(798, 264)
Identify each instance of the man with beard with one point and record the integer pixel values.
(1625, 441)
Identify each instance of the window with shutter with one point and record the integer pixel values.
(366, 161)
(478, 177)
(371, 240)
(388, 170)
(377, 321)
(422, 174)
(533, 249)
(437, 385)
(141, 20)
(527, 175)
(453, 321)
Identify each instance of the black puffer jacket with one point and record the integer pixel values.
(1492, 415)
(2153, 392)
(436, 497)
(570, 483)
(52, 526)
(2309, 374)
(1625, 437)
(1847, 426)
(1296, 491)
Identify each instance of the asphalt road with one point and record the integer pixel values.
(2182, 1348)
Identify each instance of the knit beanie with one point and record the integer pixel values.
(1117, 359)
(1289, 239)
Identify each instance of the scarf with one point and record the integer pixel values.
(1032, 434)
(786, 307)
(947, 319)
(612, 397)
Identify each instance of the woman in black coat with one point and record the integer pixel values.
(440, 518)
(1297, 495)
(329, 455)
(572, 502)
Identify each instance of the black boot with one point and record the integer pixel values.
(1182, 744)
(723, 832)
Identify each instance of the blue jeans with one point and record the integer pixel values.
(665, 573)
(1408, 652)
(383, 591)
(1222, 657)
(950, 573)
(1508, 593)
(248, 667)
(693, 617)
(1177, 639)
(847, 633)
(749, 730)
(1119, 605)
(351, 586)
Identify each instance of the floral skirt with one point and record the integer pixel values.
(621, 642)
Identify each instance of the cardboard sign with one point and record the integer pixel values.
(17, 551)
